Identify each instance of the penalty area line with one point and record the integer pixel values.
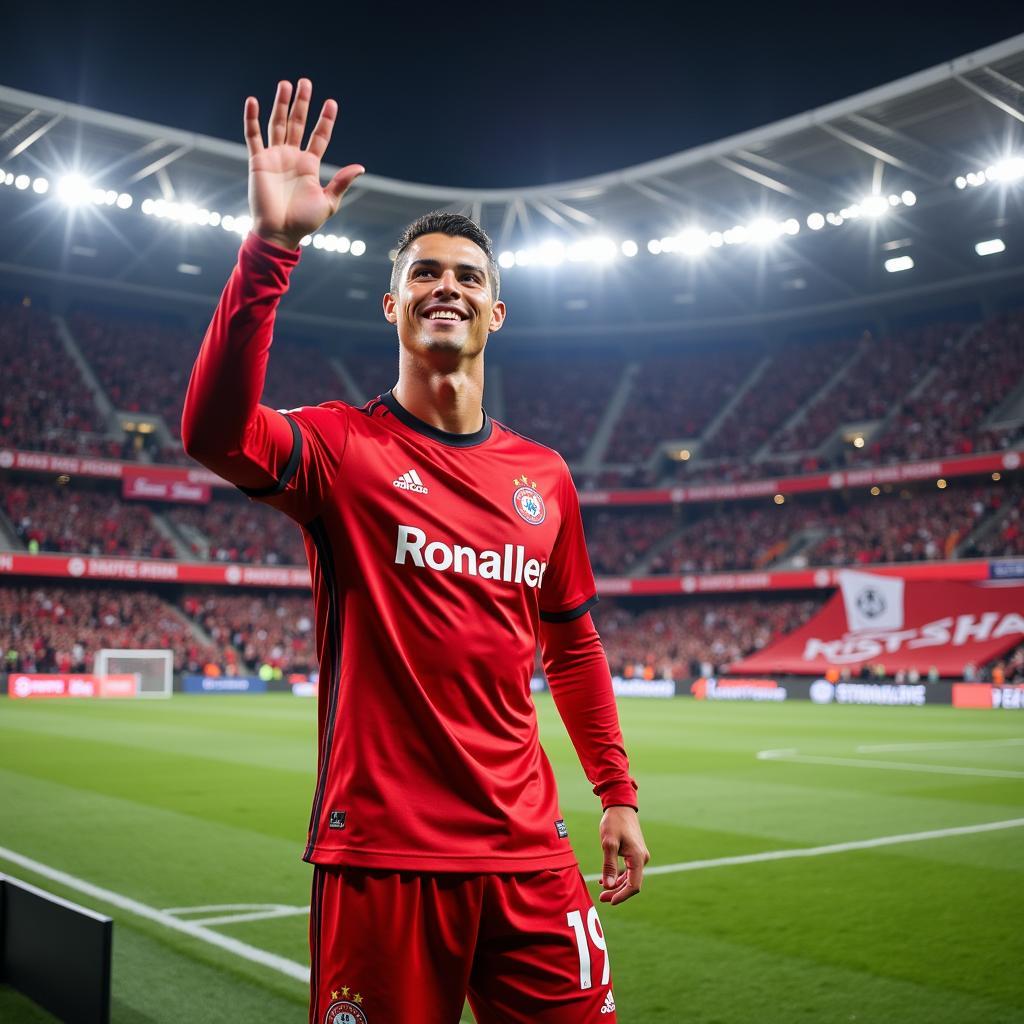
(240, 949)
(821, 851)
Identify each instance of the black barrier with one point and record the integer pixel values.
(55, 952)
(774, 689)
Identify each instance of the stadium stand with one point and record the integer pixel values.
(238, 531)
(698, 638)
(71, 519)
(51, 409)
(275, 630)
(48, 628)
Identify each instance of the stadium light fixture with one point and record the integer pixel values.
(874, 206)
(941, 484)
(764, 231)
(876, 491)
(41, 186)
(22, 182)
(692, 241)
(779, 499)
(816, 221)
(507, 259)
(72, 189)
(523, 258)
(898, 263)
(909, 198)
(358, 247)
(629, 248)
(654, 246)
(990, 247)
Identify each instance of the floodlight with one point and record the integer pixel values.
(898, 263)
(874, 206)
(629, 248)
(306, 240)
(507, 259)
(124, 201)
(40, 186)
(654, 246)
(1010, 169)
(908, 197)
(318, 240)
(833, 218)
(763, 231)
(692, 241)
(345, 244)
(9, 179)
(523, 257)
(148, 206)
(358, 247)
(816, 221)
(215, 218)
(243, 224)
(791, 226)
(990, 247)
(961, 181)
(716, 240)
(894, 200)
(22, 182)
(551, 252)
(736, 235)
(602, 249)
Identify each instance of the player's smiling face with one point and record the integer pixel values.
(444, 299)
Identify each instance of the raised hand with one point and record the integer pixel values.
(286, 199)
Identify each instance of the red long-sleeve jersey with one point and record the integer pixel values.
(437, 560)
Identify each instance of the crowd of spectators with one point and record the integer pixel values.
(1005, 537)
(266, 629)
(45, 405)
(675, 397)
(885, 370)
(694, 638)
(559, 401)
(970, 384)
(910, 526)
(797, 371)
(48, 517)
(617, 539)
(239, 531)
(48, 628)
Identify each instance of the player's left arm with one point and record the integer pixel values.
(581, 685)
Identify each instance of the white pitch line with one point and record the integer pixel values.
(893, 747)
(821, 851)
(242, 949)
(896, 766)
(301, 973)
(256, 915)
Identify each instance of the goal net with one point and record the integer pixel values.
(154, 669)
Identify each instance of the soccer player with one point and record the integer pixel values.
(443, 546)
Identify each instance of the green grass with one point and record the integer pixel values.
(204, 800)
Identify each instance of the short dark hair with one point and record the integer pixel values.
(455, 225)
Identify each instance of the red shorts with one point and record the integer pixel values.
(400, 947)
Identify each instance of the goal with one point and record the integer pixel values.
(154, 668)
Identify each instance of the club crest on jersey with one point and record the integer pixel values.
(527, 502)
(344, 1010)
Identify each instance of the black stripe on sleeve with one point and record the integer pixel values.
(572, 613)
(289, 469)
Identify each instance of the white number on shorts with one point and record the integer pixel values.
(575, 921)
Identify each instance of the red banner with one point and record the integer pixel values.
(25, 686)
(143, 484)
(152, 569)
(901, 624)
(985, 695)
(964, 465)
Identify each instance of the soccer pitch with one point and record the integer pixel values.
(173, 808)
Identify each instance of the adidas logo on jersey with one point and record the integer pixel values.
(609, 1003)
(410, 481)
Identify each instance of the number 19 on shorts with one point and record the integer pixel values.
(593, 927)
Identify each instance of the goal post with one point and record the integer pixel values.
(153, 668)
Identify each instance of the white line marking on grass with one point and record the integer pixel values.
(238, 912)
(893, 747)
(821, 851)
(242, 949)
(896, 766)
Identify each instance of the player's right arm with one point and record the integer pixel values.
(223, 425)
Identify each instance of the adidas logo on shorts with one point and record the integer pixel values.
(609, 1003)
(410, 481)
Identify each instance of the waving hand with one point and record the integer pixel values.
(286, 199)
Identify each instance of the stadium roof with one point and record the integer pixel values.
(913, 138)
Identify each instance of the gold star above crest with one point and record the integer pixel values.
(358, 998)
(344, 991)
(524, 481)
(334, 993)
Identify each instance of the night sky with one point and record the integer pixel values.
(486, 94)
